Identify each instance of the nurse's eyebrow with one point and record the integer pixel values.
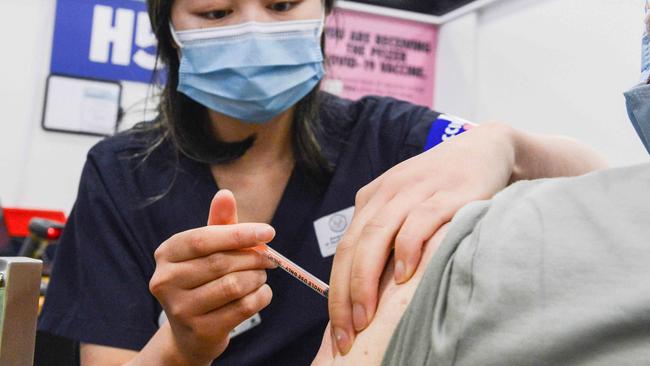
(208, 3)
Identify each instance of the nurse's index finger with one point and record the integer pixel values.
(208, 240)
(339, 304)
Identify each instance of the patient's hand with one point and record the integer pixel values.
(370, 345)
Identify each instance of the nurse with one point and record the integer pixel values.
(245, 142)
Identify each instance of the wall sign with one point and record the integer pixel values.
(377, 55)
(82, 106)
(103, 39)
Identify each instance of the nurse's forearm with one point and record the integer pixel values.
(162, 351)
(539, 156)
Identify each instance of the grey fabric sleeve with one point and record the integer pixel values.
(550, 272)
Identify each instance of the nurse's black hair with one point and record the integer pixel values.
(186, 122)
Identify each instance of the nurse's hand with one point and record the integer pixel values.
(208, 281)
(404, 208)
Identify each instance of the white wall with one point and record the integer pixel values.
(553, 66)
(549, 66)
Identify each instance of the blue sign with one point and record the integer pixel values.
(103, 39)
(444, 128)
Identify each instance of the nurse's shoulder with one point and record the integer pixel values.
(134, 164)
(393, 129)
(372, 109)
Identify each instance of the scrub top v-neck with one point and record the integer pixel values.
(297, 204)
(99, 289)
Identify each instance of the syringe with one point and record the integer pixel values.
(294, 269)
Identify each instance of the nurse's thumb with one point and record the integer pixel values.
(223, 209)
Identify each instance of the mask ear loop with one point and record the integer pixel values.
(323, 17)
(321, 27)
(174, 35)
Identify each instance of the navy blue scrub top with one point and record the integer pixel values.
(99, 288)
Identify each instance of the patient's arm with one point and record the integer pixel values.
(370, 345)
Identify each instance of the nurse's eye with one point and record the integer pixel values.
(217, 14)
(283, 6)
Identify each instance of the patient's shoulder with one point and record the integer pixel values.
(532, 273)
(617, 186)
(612, 200)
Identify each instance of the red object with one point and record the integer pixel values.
(17, 219)
(53, 233)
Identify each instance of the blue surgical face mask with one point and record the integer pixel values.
(638, 98)
(252, 71)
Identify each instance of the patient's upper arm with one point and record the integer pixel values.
(370, 345)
